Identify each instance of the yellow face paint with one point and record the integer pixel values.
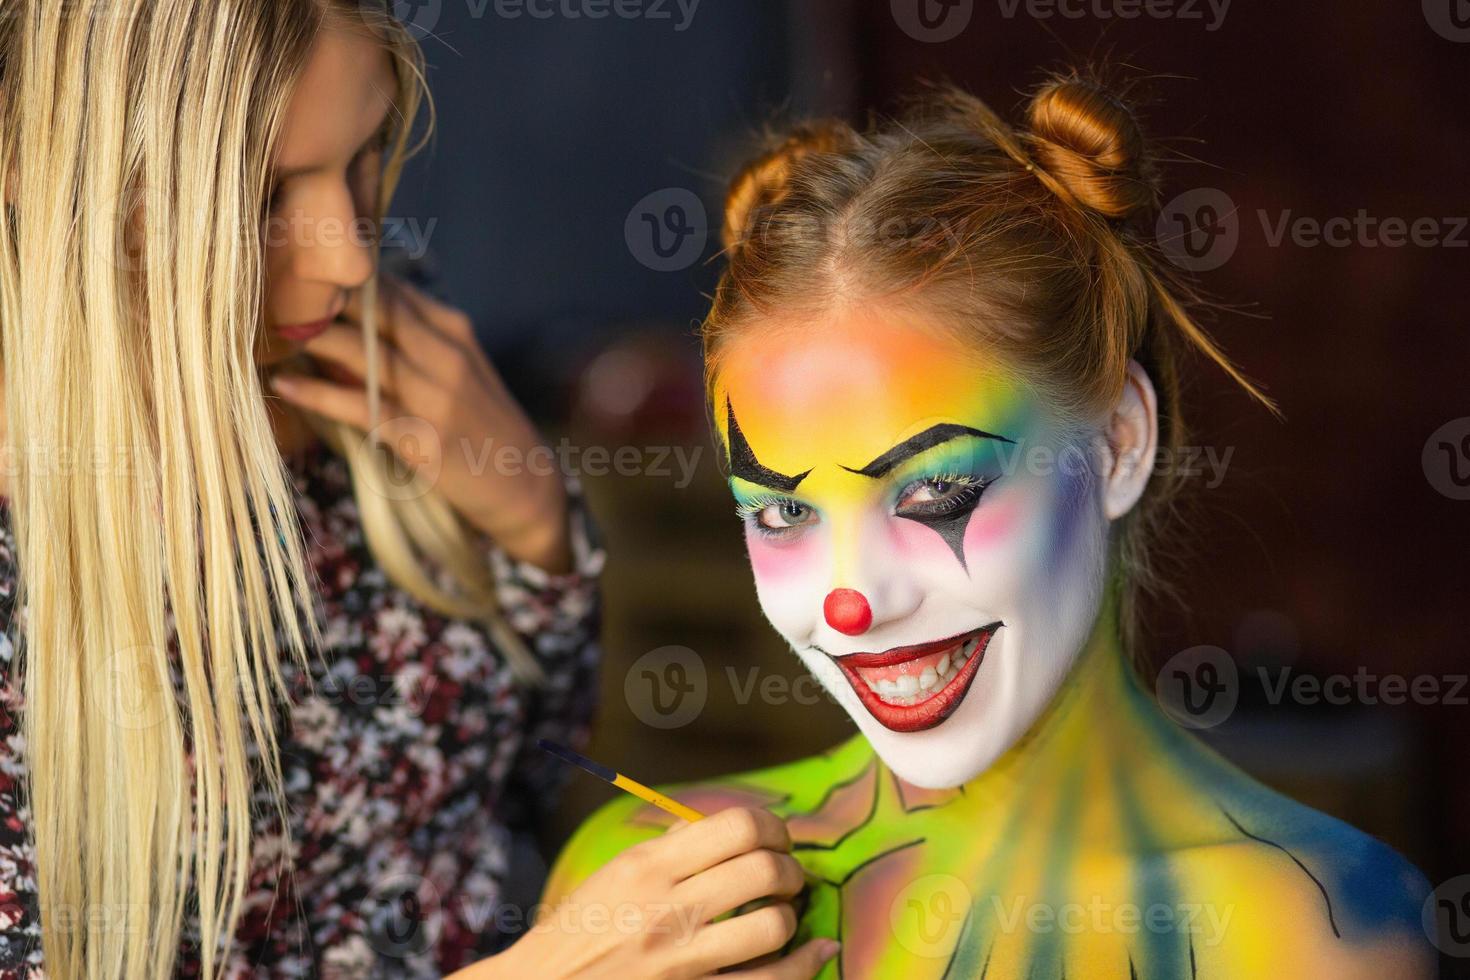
(902, 538)
(830, 397)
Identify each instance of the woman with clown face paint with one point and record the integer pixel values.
(941, 361)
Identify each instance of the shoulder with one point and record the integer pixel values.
(1307, 893)
(610, 830)
(783, 788)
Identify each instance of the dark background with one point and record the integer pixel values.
(1336, 542)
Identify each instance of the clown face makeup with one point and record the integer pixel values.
(923, 535)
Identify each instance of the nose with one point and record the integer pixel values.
(872, 583)
(335, 247)
(847, 611)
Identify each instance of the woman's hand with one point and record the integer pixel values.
(647, 912)
(444, 411)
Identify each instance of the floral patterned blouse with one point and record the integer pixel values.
(410, 761)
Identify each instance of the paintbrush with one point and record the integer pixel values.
(622, 782)
(644, 793)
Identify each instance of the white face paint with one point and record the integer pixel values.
(911, 453)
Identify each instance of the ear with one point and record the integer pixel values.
(1132, 432)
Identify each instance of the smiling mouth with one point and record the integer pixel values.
(911, 688)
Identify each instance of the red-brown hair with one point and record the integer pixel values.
(1034, 241)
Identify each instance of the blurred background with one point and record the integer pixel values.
(571, 200)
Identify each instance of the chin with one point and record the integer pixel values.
(964, 730)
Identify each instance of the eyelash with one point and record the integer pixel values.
(376, 144)
(749, 513)
(973, 488)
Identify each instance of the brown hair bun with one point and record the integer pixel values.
(763, 181)
(1089, 142)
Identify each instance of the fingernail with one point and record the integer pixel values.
(828, 948)
(284, 385)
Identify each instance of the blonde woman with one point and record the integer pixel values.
(267, 708)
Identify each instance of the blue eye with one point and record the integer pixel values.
(776, 515)
(788, 513)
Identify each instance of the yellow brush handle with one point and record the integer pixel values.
(657, 799)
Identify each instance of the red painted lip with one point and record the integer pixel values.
(933, 709)
(306, 331)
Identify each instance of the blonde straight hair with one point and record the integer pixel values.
(148, 494)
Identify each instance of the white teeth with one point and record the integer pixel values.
(906, 688)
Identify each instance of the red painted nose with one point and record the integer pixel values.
(847, 611)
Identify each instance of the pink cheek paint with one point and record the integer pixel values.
(920, 543)
(992, 522)
(775, 559)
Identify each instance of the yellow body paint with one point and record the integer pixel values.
(1109, 843)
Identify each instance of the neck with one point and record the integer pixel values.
(1091, 762)
(1097, 713)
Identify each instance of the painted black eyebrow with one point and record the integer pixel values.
(912, 446)
(744, 464)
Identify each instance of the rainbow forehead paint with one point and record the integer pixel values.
(823, 407)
